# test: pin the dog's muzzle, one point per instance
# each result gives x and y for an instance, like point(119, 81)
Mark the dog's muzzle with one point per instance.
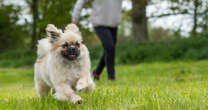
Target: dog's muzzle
point(71, 53)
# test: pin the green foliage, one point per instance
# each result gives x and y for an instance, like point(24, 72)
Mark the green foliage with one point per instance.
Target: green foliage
point(153, 86)
point(130, 52)
point(160, 34)
point(198, 9)
point(11, 33)
point(133, 52)
point(55, 12)
point(17, 58)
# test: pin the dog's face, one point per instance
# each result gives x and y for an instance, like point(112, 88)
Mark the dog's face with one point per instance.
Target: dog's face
point(68, 44)
point(70, 50)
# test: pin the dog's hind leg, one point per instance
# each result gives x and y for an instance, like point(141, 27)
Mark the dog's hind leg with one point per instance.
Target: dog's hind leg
point(41, 88)
point(53, 91)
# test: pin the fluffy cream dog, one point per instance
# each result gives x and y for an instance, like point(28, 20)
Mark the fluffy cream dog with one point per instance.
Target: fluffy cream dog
point(63, 64)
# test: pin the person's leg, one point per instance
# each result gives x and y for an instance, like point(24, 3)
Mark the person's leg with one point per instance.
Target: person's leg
point(114, 37)
point(114, 34)
point(105, 36)
point(101, 65)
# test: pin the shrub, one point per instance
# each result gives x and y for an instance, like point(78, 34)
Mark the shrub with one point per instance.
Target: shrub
point(133, 52)
point(130, 52)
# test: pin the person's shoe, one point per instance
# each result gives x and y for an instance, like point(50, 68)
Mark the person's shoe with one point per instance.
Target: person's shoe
point(111, 79)
point(95, 75)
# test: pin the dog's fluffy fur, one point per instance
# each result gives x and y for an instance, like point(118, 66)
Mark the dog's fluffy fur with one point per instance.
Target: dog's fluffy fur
point(54, 71)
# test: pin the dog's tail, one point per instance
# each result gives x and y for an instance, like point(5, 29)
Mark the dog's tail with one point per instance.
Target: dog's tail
point(43, 47)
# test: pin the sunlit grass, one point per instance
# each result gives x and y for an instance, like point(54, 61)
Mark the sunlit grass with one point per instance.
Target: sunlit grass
point(150, 86)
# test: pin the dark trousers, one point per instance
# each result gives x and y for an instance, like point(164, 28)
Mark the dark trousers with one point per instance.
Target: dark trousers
point(108, 37)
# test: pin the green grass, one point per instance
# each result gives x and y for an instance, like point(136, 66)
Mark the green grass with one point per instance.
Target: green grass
point(150, 86)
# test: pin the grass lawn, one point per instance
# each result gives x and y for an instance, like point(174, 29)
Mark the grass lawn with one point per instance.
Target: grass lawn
point(150, 86)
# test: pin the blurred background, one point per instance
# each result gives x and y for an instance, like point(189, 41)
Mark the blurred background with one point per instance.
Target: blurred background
point(150, 30)
point(161, 56)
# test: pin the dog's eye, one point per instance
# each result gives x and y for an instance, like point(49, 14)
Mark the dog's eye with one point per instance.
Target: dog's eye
point(65, 45)
point(77, 44)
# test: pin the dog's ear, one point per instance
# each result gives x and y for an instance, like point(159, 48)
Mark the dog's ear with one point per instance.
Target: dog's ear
point(53, 33)
point(72, 27)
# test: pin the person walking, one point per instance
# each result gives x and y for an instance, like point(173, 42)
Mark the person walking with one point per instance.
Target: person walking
point(105, 17)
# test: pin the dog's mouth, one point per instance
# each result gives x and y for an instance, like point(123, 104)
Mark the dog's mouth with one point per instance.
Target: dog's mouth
point(71, 53)
point(72, 56)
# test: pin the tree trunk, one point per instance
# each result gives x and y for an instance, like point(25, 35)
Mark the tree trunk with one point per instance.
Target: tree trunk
point(195, 17)
point(139, 20)
point(35, 15)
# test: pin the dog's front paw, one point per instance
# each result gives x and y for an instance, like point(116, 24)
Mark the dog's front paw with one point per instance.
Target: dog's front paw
point(81, 87)
point(76, 99)
point(85, 87)
point(60, 96)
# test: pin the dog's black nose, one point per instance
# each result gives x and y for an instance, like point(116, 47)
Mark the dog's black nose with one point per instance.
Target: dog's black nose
point(73, 48)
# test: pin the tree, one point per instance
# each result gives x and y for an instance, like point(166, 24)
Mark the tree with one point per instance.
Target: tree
point(194, 10)
point(56, 12)
point(139, 20)
point(160, 34)
point(11, 33)
point(35, 14)
point(34, 10)
point(45, 12)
